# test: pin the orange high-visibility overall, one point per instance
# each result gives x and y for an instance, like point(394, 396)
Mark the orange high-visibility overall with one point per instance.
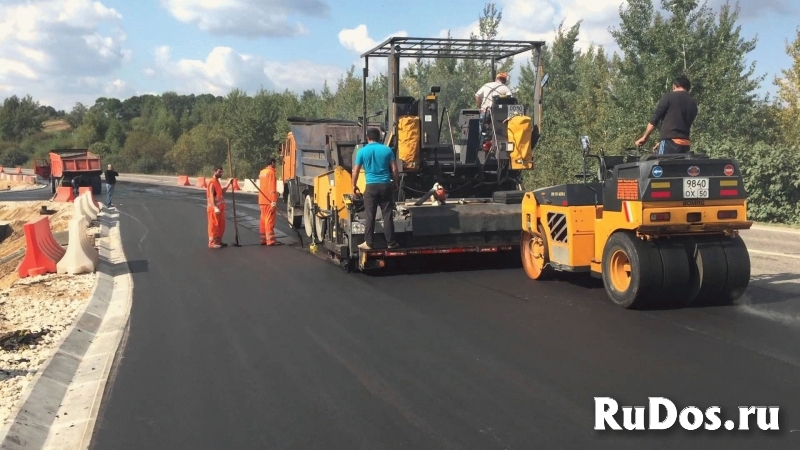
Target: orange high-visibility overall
point(268, 195)
point(216, 221)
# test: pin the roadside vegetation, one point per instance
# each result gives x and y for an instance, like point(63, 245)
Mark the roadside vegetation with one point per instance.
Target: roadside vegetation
point(608, 97)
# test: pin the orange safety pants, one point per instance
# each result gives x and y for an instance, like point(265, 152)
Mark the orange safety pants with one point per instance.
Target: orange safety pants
point(216, 226)
point(267, 224)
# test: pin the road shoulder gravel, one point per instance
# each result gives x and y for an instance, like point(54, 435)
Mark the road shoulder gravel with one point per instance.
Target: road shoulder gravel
point(59, 407)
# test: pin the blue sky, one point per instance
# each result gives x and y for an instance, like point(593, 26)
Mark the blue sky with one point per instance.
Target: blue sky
point(67, 51)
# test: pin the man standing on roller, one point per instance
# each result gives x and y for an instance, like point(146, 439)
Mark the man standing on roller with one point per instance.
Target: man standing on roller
point(268, 202)
point(676, 111)
point(215, 209)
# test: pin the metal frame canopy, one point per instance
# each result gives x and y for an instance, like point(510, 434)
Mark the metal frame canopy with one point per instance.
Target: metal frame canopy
point(395, 48)
point(451, 48)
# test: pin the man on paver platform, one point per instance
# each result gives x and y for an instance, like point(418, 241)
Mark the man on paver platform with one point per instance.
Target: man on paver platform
point(380, 171)
point(215, 208)
point(268, 201)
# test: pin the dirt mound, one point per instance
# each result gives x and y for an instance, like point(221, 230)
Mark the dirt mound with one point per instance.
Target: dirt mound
point(20, 213)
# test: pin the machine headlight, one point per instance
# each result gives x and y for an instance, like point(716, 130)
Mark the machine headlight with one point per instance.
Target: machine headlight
point(357, 228)
point(510, 147)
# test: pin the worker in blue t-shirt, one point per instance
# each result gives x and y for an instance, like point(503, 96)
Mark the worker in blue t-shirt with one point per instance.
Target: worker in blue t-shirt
point(380, 170)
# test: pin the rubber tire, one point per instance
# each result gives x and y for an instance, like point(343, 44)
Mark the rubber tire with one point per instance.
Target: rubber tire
point(709, 270)
point(527, 258)
point(320, 226)
point(646, 270)
point(308, 216)
point(738, 274)
point(294, 220)
point(675, 290)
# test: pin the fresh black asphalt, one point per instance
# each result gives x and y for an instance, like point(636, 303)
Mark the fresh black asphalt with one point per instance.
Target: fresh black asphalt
point(274, 348)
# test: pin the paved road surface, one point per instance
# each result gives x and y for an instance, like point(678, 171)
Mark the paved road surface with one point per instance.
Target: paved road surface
point(258, 347)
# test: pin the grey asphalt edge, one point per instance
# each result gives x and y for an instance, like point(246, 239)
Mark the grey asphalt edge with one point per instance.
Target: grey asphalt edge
point(69, 377)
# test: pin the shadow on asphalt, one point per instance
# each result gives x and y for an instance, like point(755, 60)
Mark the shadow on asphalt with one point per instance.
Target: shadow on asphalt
point(137, 266)
point(773, 288)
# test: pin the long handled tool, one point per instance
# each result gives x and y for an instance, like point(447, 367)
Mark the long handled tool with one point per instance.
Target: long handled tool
point(299, 237)
point(233, 195)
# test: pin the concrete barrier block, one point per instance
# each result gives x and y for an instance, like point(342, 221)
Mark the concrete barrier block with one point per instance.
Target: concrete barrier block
point(249, 186)
point(81, 255)
point(82, 208)
point(42, 252)
point(90, 205)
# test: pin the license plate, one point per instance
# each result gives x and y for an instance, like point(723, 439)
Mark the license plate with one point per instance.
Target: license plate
point(695, 188)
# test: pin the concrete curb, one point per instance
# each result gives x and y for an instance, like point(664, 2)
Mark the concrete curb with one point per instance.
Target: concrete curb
point(59, 407)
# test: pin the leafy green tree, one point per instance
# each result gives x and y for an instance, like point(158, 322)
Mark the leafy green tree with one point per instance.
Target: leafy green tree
point(694, 41)
point(20, 118)
point(789, 96)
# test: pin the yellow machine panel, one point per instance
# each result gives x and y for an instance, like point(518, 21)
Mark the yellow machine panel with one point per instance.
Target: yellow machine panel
point(519, 134)
point(570, 234)
point(408, 141)
point(330, 188)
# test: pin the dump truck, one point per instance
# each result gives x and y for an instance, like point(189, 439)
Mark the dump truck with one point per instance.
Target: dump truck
point(66, 164)
point(659, 230)
point(461, 196)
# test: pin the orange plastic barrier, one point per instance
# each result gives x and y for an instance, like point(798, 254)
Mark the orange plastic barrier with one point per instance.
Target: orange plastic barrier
point(31, 179)
point(64, 194)
point(1, 169)
point(83, 190)
point(236, 185)
point(183, 180)
point(19, 170)
point(201, 182)
point(42, 252)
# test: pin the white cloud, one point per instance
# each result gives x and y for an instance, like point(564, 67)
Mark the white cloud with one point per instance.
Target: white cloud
point(48, 46)
point(248, 18)
point(224, 69)
point(358, 41)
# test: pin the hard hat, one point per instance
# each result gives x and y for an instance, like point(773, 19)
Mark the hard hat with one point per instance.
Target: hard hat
point(502, 75)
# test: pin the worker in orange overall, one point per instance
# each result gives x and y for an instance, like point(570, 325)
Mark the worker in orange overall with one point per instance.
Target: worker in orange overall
point(215, 208)
point(268, 201)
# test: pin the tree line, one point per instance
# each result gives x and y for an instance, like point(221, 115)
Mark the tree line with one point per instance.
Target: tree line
point(608, 97)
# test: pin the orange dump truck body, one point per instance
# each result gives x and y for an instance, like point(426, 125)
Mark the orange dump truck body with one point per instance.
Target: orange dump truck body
point(74, 161)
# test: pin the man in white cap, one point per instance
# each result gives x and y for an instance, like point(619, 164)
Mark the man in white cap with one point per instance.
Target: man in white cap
point(486, 94)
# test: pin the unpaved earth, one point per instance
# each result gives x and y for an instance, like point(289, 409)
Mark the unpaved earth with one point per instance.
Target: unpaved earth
point(20, 213)
point(6, 185)
point(49, 303)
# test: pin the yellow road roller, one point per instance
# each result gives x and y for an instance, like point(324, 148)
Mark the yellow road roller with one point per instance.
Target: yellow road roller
point(659, 230)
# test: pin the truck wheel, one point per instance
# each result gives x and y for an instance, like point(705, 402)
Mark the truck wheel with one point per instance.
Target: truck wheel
point(320, 227)
point(535, 254)
point(294, 221)
point(308, 216)
point(632, 270)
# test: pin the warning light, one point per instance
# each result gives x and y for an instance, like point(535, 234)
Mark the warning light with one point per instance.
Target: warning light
point(729, 192)
point(729, 170)
point(661, 194)
point(659, 217)
point(721, 215)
